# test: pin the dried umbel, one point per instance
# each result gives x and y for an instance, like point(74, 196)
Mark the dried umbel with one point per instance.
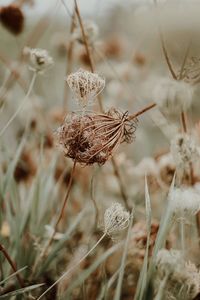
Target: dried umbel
point(182, 278)
point(91, 32)
point(12, 18)
point(40, 60)
point(184, 151)
point(173, 96)
point(92, 138)
point(184, 201)
point(116, 219)
point(191, 72)
point(85, 86)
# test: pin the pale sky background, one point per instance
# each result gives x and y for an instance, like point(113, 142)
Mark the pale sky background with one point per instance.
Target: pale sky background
point(86, 6)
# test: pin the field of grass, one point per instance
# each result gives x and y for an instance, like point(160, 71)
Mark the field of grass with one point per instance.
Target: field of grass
point(100, 152)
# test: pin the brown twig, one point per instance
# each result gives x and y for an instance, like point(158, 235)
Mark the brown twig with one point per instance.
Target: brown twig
point(12, 264)
point(142, 111)
point(69, 58)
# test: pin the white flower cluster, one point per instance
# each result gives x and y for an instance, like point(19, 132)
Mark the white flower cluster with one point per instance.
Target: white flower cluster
point(173, 96)
point(184, 150)
point(184, 200)
point(85, 85)
point(116, 219)
point(91, 31)
point(183, 278)
point(40, 60)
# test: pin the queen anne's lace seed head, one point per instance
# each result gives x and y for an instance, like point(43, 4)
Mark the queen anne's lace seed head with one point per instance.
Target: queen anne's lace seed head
point(173, 96)
point(93, 138)
point(116, 219)
point(40, 60)
point(191, 72)
point(183, 278)
point(184, 201)
point(91, 31)
point(85, 85)
point(184, 150)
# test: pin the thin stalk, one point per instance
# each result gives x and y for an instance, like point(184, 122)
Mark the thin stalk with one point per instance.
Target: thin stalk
point(87, 48)
point(73, 267)
point(140, 112)
point(182, 233)
point(12, 264)
point(21, 105)
point(60, 216)
point(165, 52)
point(69, 57)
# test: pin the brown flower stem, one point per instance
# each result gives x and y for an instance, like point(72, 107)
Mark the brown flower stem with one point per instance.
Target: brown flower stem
point(12, 264)
point(164, 49)
point(142, 111)
point(184, 122)
point(69, 58)
point(87, 48)
point(118, 175)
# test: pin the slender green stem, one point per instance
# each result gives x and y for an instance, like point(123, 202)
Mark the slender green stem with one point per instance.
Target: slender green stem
point(21, 105)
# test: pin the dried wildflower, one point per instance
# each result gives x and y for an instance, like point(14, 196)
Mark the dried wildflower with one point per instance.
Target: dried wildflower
point(40, 60)
point(92, 138)
point(91, 31)
point(184, 201)
point(12, 18)
point(173, 96)
point(184, 151)
point(116, 219)
point(85, 85)
point(191, 72)
point(183, 278)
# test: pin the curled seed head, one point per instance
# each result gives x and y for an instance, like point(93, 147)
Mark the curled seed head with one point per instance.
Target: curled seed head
point(92, 138)
point(85, 85)
point(12, 18)
point(173, 96)
point(116, 219)
point(40, 60)
point(184, 151)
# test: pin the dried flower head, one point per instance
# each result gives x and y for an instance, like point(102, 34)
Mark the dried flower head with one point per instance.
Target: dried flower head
point(12, 18)
point(91, 31)
point(173, 96)
point(92, 138)
point(184, 201)
point(183, 278)
point(40, 60)
point(116, 219)
point(85, 85)
point(191, 72)
point(184, 151)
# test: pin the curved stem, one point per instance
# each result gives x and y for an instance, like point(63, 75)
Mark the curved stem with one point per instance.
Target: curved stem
point(12, 264)
point(73, 267)
point(21, 105)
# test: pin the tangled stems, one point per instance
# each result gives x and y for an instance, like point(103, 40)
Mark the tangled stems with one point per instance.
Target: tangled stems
point(46, 248)
point(74, 266)
point(21, 105)
point(12, 264)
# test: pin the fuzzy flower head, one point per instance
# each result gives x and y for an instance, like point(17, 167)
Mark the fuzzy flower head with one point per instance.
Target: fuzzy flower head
point(191, 72)
point(93, 138)
point(116, 219)
point(91, 31)
point(40, 60)
point(184, 150)
point(183, 278)
point(184, 201)
point(173, 96)
point(85, 86)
